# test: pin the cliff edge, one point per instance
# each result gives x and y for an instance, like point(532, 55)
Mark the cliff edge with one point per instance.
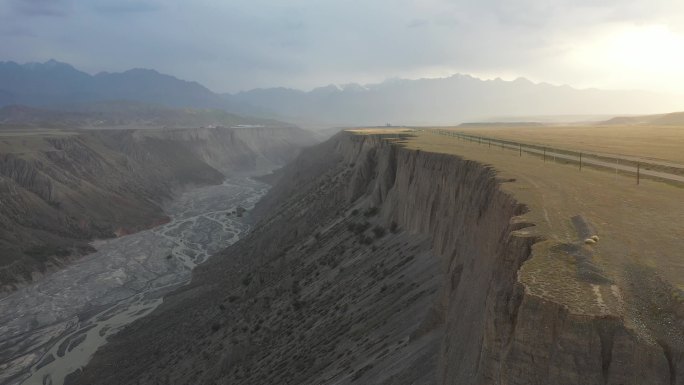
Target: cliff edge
point(381, 260)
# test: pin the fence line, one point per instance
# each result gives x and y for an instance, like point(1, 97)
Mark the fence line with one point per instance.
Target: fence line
point(578, 157)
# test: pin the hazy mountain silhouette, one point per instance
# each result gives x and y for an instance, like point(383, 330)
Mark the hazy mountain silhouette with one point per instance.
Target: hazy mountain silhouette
point(451, 100)
point(55, 83)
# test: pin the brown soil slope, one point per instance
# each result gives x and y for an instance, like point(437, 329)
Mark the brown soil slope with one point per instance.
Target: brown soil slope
point(378, 263)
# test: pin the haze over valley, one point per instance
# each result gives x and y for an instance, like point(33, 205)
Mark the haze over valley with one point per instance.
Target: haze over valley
point(387, 193)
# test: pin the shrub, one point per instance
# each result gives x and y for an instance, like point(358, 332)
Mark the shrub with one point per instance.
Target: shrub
point(379, 231)
point(394, 227)
point(297, 305)
point(246, 280)
point(358, 228)
point(371, 211)
point(42, 253)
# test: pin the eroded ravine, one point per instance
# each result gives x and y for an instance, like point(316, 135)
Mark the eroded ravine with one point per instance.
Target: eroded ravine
point(51, 328)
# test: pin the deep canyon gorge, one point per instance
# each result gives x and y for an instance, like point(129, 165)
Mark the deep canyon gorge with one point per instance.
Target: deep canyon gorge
point(370, 261)
point(378, 264)
point(58, 309)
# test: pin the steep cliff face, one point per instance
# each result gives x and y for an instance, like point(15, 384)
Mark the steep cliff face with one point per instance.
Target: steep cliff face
point(60, 190)
point(376, 264)
point(352, 275)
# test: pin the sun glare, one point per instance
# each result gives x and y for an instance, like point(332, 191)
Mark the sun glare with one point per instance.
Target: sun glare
point(648, 49)
point(635, 56)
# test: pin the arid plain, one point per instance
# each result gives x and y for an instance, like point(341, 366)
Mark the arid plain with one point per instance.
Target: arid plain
point(634, 270)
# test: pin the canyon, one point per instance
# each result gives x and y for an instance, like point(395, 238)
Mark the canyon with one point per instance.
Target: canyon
point(54, 181)
point(98, 224)
point(376, 262)
point(383, 256)
point(51, 328)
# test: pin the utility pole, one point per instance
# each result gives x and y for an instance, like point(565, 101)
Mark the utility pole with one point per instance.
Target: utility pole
point(638, 172)
point(580, 161)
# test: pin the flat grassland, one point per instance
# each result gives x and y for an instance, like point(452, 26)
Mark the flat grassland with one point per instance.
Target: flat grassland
point(636, 269)
point(648, 142)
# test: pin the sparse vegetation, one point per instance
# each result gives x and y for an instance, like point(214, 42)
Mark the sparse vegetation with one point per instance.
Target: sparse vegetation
point(295, 289)
point(246, 280)
point(358, 227)
point(43, 252)
point(365, 240)
point(379, 231)
point(371, 212)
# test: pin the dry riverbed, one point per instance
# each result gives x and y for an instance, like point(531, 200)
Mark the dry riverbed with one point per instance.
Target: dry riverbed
point(51, 328)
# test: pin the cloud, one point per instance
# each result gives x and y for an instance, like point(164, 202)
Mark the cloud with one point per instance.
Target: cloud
point(123, 7)
point(16, 31)
point(418, 24)
point(240, 44)
point(40, 7)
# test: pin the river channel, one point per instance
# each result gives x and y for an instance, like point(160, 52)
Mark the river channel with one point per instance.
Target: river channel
point(52, 327)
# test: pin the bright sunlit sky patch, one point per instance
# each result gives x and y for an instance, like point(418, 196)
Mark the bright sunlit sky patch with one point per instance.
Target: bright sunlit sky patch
point(232, 45)
point(637, 56)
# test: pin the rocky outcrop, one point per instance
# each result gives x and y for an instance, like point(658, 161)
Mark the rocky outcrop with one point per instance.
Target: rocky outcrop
point(60, 190)
point(376, 264)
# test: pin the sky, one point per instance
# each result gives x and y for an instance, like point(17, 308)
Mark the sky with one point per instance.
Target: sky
point(233, 45)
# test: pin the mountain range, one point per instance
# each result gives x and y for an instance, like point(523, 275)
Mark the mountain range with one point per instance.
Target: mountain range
point(450, 100)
